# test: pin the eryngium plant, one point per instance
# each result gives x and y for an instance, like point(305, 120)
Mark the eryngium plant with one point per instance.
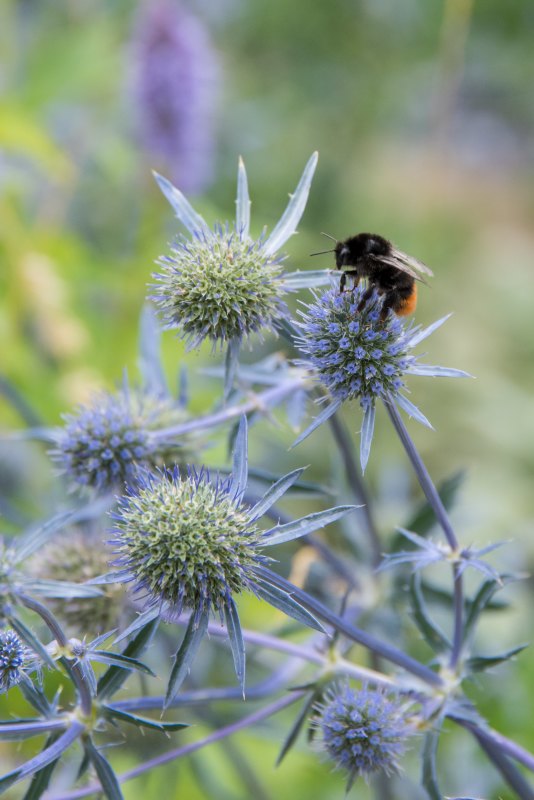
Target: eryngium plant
point(222, 284)
point(192, 544)
point(364, 731)
point(356, 355)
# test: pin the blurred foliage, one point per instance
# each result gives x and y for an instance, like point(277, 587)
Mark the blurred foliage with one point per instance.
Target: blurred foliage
point(423, 116)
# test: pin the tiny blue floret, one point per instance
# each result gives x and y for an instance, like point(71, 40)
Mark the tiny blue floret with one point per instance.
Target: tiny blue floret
point(357, 355)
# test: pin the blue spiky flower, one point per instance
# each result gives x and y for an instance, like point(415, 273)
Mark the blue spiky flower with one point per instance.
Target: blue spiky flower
point(363, 731)
point(192, 543)
point(103, 444)
point(13, 659)
point(356, 355)
point(220, 284)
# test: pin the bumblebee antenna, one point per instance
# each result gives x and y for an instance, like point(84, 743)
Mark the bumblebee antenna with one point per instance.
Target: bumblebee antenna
point(322, 252)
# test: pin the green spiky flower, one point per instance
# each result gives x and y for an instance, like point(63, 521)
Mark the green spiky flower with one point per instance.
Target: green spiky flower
point(187, 541)
point(77, 556)
point(219, 287)
point(220, 284)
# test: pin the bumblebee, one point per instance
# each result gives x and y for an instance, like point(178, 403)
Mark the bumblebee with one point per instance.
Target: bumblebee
point(388, 270)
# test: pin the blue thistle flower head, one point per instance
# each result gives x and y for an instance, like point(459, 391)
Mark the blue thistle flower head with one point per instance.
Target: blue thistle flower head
point(363, 731)
point(220, 284)
point(187, 542)
point(356, 355)
point(13, 659)
point(103, 444)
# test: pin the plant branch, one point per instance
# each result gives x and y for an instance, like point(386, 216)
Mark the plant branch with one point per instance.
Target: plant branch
point(74, 670)
point(192, 747)
point(350, 631)
point(356, 484)
point(435, 502)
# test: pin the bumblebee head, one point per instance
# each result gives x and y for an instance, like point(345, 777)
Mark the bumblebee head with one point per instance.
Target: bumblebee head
point(342, 254)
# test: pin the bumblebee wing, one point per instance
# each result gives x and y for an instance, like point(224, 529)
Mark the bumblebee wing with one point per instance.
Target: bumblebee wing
point(411, 262)
point(394, 262)
point(405, 264)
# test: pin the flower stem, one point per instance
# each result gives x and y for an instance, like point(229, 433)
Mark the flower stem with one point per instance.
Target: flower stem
point(356, 484)
point(508, 770)
point(52, 753)
point(192, 747)
point(458, 596)
point(198, 697)
point(34, 727)
point(47, 616)
point(434, 500)
point(273, 683)
point(74, 670)
point(425, 481)
point(505, 745)
point(309, 654)
point(258, 402)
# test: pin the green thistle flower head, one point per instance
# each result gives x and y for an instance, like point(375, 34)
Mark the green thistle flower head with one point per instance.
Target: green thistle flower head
point(221, 284)
point(75, 556)
point(220, 287)
point(188, 541)
point(191, 543)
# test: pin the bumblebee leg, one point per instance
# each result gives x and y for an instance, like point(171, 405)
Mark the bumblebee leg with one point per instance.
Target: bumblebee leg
point(351, 273)
point(365, 298)
point(391, 300)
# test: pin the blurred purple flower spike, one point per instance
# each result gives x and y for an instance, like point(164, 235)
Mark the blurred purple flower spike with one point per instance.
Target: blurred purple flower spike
point(174, 88)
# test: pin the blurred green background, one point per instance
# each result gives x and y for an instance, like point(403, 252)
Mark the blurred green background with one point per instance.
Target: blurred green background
point(423, 115)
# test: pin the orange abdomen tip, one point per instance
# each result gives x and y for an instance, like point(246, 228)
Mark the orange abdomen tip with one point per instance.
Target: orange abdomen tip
point(408, 305)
